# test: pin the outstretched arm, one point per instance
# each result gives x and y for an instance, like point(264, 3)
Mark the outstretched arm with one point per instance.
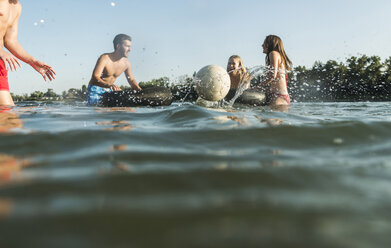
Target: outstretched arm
point(12, 44)
point(129, 76)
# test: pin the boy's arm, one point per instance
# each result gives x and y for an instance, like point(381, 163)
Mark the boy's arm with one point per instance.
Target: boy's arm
point(129, 76)
point(12, 44)
point(97, 73)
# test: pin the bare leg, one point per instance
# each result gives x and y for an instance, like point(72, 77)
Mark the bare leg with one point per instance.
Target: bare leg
point(279, 104)
point(6, 99)
point(280, 101)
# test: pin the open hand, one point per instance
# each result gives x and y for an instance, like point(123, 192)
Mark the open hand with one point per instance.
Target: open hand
point(45, 70)
point(10, 61)
point(115, 88)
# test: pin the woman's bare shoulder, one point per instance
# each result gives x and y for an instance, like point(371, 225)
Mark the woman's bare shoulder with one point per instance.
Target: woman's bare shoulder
point(274, 54)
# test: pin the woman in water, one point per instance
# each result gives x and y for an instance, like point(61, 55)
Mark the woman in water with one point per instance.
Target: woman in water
point(278, 63)
point(240, 79)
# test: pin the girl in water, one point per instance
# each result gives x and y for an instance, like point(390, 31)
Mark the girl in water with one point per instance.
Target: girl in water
point(278, 63)
point(240, 79)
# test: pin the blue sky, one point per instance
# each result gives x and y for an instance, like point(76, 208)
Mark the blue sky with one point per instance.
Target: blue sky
point(177, 37)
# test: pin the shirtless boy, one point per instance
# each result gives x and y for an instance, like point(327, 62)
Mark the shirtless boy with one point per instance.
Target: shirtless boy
point(109, 67)
point(10, 11)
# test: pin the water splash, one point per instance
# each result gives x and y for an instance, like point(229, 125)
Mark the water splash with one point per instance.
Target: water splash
point(231, 71)
point(191, 86)
point(42, 21)
point(243, 85)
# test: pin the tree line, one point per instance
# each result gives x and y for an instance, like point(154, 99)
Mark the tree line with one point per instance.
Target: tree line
point(361, 78)
point(357, 79)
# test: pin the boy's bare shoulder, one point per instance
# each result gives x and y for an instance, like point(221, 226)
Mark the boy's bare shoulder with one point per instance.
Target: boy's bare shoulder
point(16, 8)
point(125, 61)
point(104, 57)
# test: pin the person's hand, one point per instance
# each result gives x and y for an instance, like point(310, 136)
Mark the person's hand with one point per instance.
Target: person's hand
point(45, 70)
point(115, 88)
point(10, 61)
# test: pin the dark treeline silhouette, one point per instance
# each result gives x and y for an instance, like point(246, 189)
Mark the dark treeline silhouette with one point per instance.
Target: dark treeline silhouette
point(70, 95)
point(357, 79)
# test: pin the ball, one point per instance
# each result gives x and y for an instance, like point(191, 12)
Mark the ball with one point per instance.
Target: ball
point(212, 83)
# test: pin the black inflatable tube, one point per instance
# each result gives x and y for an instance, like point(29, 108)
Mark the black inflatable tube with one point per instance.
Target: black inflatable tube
point(252, 97)
point(152, 96)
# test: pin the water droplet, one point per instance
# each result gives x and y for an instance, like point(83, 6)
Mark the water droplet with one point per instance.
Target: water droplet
point(35, 23)
point(112, 4)
point(338, 141)
point(42, 21)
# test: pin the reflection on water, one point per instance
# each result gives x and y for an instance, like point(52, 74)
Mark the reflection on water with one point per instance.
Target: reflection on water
point(8, 120)
point(271, 121)
point(116, 125)
point(115, 109)
point(10, 167)
point(118, 165)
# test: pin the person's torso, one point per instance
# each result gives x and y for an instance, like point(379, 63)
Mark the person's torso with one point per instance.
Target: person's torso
point(8, 14)
point(112, 69)
point(239, 80)
point(235, 80)
point(279, 86)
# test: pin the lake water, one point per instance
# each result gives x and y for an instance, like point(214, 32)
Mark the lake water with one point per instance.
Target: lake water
point(316, 175)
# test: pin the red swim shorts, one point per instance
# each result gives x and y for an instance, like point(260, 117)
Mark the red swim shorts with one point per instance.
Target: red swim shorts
point(3, 77)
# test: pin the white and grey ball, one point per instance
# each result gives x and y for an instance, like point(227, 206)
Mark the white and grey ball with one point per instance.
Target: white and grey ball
point(213, 83)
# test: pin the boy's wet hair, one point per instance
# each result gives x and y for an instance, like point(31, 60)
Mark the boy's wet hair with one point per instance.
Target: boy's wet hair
point(13, 1)
point(119, 38)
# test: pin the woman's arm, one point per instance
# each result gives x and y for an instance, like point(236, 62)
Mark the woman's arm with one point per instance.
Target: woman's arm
point(274, 58)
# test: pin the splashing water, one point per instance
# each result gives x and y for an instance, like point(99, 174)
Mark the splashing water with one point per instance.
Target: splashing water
point(195, 82)
point(245, 82)
point(229, 72)
point(243, 85)
point(261, 70)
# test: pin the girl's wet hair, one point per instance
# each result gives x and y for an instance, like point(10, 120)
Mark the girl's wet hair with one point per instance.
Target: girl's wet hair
point(242, 69)
point(13, 1)
point(274, 43)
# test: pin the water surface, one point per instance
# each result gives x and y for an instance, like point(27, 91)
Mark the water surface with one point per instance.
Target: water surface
point(316, 175)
